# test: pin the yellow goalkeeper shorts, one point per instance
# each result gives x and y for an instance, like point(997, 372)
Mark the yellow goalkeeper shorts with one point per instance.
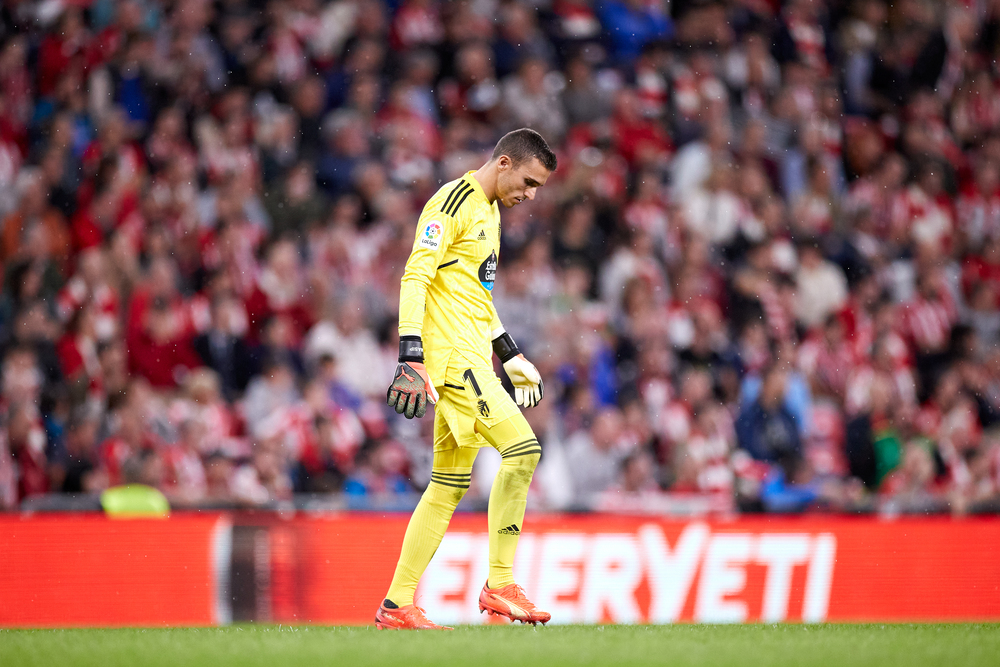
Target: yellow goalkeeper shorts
point(472, 405)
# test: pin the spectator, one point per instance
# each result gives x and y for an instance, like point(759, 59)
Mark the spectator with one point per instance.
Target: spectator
point(584, 97)
point(297, 204)
point(911, 487)
point(273, 389)
point(635, 486)
point(595, 455)
point(346, 146)
point(81, 472)
point(821, 288)
point(520, 41)
point(873, 440)
point(223, 348)
point(927, 323)
point(631, 24)
point(531, 99)
point(161, 351)
point(263, 480)
point(280, 290)
point(765, 428)
point(50, 240)
point(381, 471)
point(358, 351)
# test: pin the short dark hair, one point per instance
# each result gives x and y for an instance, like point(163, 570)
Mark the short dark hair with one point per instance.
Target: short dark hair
point(524, 144)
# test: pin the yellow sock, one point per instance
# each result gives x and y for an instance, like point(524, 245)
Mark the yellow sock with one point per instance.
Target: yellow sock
point(508, 499)
point(426, 528)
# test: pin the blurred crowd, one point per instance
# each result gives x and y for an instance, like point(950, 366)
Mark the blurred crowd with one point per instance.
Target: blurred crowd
point(765, 276)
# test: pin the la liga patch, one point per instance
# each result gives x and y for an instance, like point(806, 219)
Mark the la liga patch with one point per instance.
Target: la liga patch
point(431, 236)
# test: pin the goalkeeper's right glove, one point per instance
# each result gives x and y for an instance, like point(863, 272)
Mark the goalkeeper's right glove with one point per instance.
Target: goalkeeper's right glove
point(411, 387)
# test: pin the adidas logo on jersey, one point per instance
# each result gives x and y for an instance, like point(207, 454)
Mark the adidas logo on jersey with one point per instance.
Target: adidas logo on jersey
point(512, 529)
point(482, 235)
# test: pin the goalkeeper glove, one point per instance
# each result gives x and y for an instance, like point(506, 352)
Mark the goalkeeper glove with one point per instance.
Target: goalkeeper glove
point(528, 387)
point(411, 388)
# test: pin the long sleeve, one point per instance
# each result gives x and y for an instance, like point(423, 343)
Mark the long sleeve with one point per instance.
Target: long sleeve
point(496, 326)
point(435, 234)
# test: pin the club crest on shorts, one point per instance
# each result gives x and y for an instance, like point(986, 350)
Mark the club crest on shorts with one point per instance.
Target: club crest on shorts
point(488, 271)
point(431, 236)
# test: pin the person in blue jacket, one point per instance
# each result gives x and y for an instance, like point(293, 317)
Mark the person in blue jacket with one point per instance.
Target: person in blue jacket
point(765, 428)
point(632, 24)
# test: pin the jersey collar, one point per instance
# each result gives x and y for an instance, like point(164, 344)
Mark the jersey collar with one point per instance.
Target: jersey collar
point(476, 187)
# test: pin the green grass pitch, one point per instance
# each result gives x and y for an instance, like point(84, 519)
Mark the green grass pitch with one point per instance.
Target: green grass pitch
point(968, 645)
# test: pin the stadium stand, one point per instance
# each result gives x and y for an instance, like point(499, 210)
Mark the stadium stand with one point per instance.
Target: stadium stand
point(765, 277)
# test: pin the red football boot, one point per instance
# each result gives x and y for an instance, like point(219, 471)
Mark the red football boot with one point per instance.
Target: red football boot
point(410, 617)
point(511, 602)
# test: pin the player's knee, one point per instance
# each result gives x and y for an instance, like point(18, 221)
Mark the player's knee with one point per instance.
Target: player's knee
point(456, 496)
point(444, 495)
point(524, 464)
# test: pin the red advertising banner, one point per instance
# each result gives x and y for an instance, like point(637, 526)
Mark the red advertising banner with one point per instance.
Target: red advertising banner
point(87, 570)
point(588, 569)
point(334, 569)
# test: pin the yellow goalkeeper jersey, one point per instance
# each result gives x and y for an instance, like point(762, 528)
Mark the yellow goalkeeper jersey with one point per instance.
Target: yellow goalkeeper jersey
point(446, 291)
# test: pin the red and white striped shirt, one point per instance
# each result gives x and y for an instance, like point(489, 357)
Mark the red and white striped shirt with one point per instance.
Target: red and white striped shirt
point(928, 323)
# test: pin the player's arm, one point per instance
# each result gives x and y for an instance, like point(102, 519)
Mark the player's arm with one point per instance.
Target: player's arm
point(527, 381)
point(411, 386)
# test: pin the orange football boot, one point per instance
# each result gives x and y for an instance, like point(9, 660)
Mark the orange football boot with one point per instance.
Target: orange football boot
point(410, 617)
point(510, 601)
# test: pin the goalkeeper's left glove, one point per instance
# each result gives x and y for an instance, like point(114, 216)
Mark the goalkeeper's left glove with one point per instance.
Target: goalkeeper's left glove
point(528, 387)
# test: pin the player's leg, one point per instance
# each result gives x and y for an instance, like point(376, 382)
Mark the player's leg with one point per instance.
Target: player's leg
point(505, 428)
point(451, 474)
point(520, 452)
point(450, 478)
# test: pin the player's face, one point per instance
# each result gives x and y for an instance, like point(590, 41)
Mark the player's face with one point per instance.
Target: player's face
point(518, 184)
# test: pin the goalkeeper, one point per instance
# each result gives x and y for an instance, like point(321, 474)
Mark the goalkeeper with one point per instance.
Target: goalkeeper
point(448, 333)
